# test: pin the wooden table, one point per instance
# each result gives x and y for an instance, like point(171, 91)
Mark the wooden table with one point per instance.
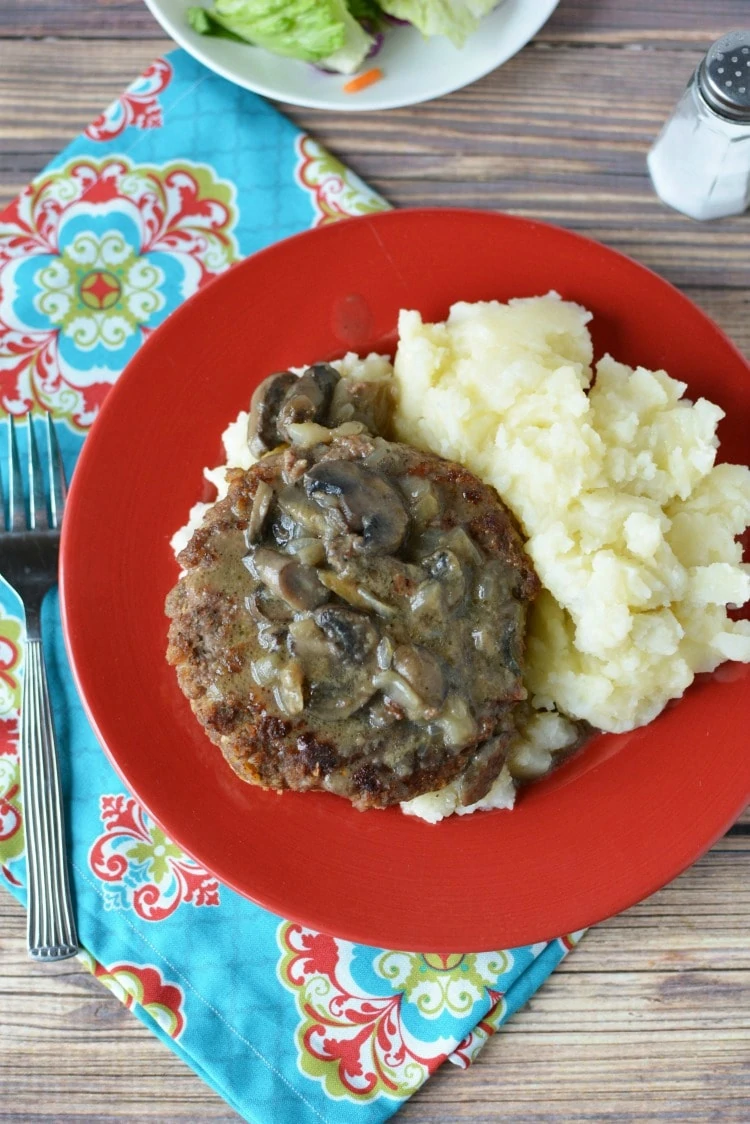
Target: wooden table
point(649, 1019)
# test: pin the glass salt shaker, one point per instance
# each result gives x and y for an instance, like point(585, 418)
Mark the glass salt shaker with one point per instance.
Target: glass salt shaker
point(700, 162)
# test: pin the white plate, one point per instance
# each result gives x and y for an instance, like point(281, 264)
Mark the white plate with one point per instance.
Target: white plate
point(415, 69)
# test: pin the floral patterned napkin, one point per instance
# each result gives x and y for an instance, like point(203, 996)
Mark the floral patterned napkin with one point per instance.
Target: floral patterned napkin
point(183, 175)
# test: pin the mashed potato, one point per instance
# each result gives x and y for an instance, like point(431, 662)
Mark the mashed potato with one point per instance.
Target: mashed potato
point(630, 526)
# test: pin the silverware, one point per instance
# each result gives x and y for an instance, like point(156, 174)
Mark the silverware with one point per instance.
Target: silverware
point(29, 542)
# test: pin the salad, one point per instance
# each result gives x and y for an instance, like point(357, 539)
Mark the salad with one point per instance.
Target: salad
point(336, 35)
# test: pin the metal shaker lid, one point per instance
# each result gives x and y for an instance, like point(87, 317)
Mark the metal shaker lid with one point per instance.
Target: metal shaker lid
point(724, 76)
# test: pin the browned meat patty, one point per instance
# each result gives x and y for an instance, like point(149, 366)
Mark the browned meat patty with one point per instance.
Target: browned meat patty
point(352, 617)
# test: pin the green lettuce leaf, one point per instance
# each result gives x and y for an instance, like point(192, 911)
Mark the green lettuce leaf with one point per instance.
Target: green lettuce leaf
point(205, 23)
point(320, 31)
point(454, 18)
point(368, 10)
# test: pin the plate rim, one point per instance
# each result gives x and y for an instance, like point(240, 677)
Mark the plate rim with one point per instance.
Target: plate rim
point(274, 904)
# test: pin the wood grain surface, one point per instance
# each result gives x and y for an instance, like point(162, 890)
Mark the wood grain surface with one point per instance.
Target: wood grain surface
point(649, 1018)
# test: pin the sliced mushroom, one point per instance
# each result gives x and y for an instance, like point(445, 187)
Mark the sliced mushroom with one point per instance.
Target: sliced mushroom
point(446, 569)
point(272, 617)
point(369, 504)
point(456, 722)
point(311, 646)
point(267, 609)
point(376, 605)
point(264, 670)
point(455, 539)
point(427, 610)
point(390, 579)
point(421, 499)
point(355, 595)
point(295, 504)
point(308, 550)
point(279, 528)
point(384, 653)
point(399, 691)
point(294, 583)
point(462, 544)
point(337, 707)
point(261, 506)
point(352, 634)
point(285, 679)
point(481, 772)
point(265, 565)
point(300, 587)
point(308, 434)
point(422, 671)
point(288, 689)
point(308, 400)
point(369, 401)
point(262, 431)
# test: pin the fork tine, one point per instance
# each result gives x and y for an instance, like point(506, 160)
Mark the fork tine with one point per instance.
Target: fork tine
point(16, 505)
point(58, 484)
point(39, 519)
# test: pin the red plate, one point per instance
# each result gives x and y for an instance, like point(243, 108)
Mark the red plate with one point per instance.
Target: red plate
point(608, 828)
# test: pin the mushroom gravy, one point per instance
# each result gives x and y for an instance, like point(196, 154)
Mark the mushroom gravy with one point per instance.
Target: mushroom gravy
point(352, 615)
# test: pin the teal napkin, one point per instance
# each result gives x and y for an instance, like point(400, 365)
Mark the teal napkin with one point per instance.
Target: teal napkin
point(183, 175)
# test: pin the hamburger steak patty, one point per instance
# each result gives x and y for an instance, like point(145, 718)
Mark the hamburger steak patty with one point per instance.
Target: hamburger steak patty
point(352, 615)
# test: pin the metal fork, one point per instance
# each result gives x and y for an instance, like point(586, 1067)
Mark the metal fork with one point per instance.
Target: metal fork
point(29, 543)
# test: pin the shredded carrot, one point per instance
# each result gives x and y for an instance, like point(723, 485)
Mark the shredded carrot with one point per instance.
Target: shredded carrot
point(362, 81)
